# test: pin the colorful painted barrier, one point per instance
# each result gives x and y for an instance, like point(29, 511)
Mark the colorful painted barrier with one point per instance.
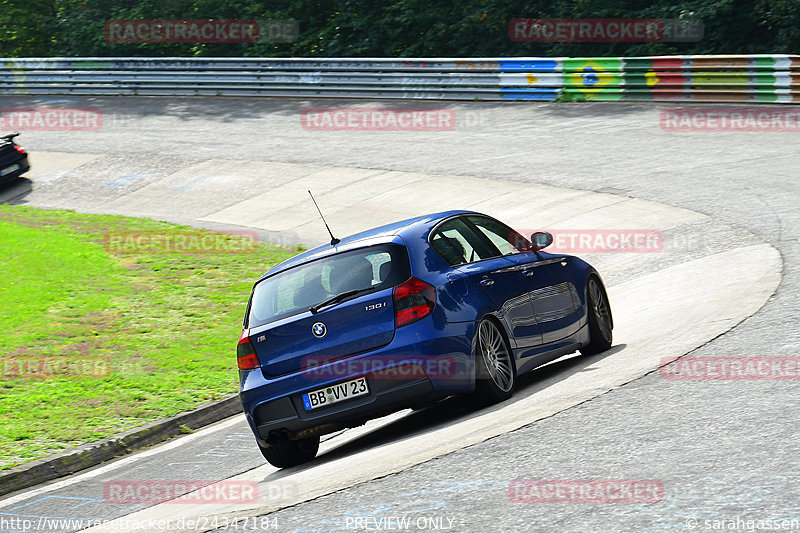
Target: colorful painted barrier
point(720, 78)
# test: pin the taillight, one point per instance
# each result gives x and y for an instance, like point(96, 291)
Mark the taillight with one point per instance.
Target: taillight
point(19, 149)
point(246, 353)
point(413, 301)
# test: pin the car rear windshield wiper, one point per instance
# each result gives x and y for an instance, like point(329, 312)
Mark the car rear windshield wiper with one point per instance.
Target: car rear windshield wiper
point(338, 298)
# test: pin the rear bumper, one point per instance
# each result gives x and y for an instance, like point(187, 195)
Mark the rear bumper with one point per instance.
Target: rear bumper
point(405, 373)
point(23, 164)
point(284, 419)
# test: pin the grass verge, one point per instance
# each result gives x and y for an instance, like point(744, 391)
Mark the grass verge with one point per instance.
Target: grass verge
point(103, 332)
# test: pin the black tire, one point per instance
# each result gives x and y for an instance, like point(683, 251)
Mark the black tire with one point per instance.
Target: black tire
point(289, 453)
point(601, 322)
point(495, 375)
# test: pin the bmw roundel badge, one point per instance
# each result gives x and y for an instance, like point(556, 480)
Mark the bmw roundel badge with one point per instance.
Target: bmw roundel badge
point(319, 330)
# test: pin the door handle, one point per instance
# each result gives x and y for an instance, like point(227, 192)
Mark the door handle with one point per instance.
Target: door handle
point(528, 273)
point(486, 282)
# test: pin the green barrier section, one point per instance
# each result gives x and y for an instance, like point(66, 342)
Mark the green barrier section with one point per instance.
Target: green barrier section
point(597, 64)
point(593, 80)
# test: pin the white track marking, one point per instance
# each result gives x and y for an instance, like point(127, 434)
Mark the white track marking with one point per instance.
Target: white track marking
point(659, 315)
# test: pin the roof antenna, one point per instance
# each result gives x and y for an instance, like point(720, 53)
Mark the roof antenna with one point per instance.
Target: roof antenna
point(334, 240)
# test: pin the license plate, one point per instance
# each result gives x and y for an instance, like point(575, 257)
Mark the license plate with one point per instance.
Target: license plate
point(9, 170)
point(335, 393)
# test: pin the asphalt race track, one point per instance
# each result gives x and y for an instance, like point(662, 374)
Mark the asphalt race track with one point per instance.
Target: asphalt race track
point(725, 283)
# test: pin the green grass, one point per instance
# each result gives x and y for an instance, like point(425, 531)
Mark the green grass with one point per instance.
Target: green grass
point(94, 343)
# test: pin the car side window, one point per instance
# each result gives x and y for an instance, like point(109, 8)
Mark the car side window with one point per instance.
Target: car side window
point(458, 244)
point(508, 241)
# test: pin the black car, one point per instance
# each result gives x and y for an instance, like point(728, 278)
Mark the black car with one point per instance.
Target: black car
point(13, 159)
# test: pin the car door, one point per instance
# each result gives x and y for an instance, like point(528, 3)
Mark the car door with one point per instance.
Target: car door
point(484, 269)
point(555, 301)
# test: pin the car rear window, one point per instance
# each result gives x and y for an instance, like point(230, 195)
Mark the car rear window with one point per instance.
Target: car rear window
point(295, 290)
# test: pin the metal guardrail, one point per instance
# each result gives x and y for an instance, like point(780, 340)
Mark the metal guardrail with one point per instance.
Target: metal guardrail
point(729, 78)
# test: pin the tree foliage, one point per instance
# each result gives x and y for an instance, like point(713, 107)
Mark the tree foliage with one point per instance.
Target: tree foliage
point(394, 28)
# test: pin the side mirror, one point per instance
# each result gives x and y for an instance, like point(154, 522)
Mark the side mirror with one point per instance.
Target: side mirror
point(541, 239)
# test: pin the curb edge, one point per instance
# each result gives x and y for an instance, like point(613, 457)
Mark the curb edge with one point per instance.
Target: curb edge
point(92, 454)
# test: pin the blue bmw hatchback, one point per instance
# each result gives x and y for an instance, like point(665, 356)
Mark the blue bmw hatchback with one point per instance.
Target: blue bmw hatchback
point(403, 316)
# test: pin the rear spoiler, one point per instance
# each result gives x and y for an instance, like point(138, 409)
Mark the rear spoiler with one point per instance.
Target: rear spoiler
point(9, 136)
